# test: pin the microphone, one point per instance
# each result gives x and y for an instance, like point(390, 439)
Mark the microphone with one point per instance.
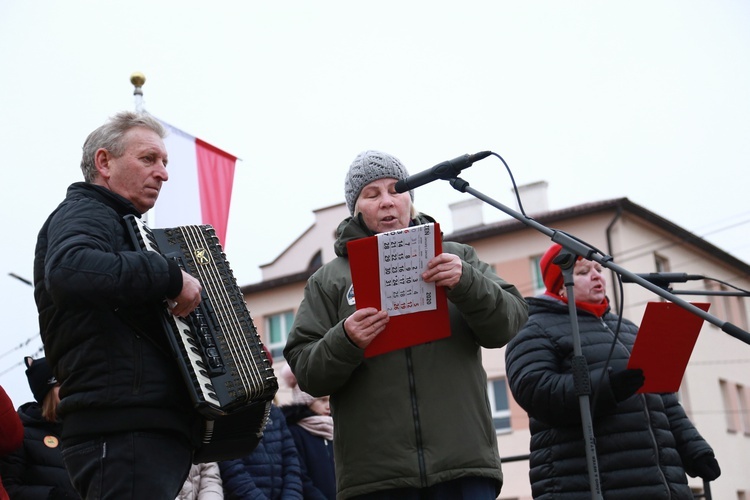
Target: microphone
point(446, 170)
point(662, 279)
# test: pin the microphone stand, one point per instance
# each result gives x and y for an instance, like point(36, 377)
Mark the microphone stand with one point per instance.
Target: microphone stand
point(589, 253)
point(566, 260)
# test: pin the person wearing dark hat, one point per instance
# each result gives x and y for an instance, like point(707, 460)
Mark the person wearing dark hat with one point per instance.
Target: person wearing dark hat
point(414, 422)
point(645, 443)
point(36, 470)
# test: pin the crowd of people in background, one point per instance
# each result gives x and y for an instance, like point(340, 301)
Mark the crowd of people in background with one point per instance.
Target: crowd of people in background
point(289, 462)
point(36, 469)
point(293, 460)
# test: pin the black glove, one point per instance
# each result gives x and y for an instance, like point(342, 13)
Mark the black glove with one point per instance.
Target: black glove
point(624, 383)
point(706, 467)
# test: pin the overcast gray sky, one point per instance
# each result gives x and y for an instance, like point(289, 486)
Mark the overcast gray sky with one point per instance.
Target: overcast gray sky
point(643, 99)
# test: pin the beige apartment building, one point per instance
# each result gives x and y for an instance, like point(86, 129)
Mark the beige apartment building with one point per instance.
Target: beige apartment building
point(715, 389)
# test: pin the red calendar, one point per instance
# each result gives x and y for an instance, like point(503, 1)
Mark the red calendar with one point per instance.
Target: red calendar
point(386, 274)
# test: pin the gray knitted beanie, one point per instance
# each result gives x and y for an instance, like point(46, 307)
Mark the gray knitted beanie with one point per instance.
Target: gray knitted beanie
point(370, 166)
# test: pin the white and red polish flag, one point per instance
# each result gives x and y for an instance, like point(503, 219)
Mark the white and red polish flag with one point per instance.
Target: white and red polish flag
point(199, 189)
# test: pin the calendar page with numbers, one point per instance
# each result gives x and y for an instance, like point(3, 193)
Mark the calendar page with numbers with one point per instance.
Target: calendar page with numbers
point(386, 274)
point(402, 257)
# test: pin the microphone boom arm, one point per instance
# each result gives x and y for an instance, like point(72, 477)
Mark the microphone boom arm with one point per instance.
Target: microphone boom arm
point(589, 253)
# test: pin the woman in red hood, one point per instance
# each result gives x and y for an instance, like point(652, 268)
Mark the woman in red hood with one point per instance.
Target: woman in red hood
point(645, 443)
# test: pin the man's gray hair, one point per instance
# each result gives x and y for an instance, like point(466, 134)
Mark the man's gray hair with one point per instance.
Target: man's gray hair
point(110, 137)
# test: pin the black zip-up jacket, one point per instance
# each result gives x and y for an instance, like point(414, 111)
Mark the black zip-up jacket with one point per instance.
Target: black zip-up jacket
point(99, 300)
point(36, 470)
point(644, 444)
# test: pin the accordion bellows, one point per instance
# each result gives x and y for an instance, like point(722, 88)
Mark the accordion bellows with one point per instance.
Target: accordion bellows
point(218, 348)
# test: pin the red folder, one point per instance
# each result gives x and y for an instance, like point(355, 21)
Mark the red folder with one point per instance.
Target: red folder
point(664, 344)
point(404, 330)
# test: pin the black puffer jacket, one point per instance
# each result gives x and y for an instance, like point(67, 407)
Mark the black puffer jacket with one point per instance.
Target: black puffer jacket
point(316, 455)
point(36, 470)
point(99, 301)
point(644, 444)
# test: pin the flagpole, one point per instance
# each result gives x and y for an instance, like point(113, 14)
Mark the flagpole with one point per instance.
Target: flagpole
point(138, 79)
point(205, 173)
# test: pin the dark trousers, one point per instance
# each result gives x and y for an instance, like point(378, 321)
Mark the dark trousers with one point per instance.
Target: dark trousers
point(466, 488)
point(134, 465)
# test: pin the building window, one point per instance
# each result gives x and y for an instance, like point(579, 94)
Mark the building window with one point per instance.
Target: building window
point(498, 393)
point(731, 405)
point(742, 404)
point(735, 308)
point(726, 305)
point(537, 280)
point(661, 263)
point(316, 261)
point(278, 326)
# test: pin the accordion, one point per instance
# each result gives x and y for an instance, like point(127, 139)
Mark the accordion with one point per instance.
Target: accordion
point(219, 352)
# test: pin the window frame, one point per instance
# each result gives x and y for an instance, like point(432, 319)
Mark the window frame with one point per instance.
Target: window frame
point(285, 318)
point(499, 415)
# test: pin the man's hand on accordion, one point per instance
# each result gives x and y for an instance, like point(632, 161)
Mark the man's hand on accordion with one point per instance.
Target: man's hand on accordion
point(189, 297)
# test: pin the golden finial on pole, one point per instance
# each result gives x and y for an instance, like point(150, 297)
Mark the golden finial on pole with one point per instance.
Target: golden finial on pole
point(138, 79)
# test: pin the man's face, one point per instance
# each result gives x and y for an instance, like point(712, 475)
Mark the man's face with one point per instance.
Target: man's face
point(139, 173)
